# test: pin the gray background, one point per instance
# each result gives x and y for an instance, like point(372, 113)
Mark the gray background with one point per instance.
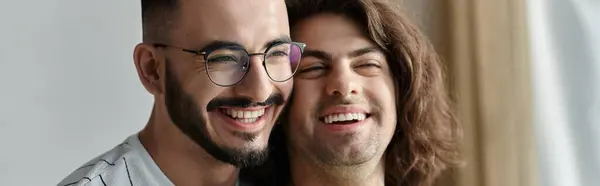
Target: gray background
point(68, 86)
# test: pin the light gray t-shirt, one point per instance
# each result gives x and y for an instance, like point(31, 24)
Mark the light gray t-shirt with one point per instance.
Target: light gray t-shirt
point(127, 164)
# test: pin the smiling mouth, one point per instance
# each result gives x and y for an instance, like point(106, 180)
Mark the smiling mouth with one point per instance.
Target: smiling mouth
point(344, 118)
point(243, 116)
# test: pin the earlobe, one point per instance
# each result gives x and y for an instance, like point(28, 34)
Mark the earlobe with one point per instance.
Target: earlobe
point(147, 66)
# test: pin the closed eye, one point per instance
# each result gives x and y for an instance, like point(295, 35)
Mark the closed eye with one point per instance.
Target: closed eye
point(310, 69)
point(369, 65)
point(278, 53)
point(368, 68)
point(222, 59)
point(314, 71)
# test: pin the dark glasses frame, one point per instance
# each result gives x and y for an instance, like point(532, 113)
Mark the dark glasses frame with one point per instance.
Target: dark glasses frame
point(206, 52)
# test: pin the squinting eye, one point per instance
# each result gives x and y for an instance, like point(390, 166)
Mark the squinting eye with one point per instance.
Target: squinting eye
point(278, 53)
point(369, 65)
point(313, 71)
point(368, 68)
point(314, 68)
point(222, 59)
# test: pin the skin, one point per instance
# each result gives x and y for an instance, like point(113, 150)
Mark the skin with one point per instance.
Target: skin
point(183, 136)
point(341, 68)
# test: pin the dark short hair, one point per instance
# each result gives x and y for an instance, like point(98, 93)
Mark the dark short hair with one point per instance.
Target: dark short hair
point(427, 136)
point(158, 19)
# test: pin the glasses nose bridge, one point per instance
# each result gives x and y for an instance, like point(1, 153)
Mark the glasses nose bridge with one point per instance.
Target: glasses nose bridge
point(262, 61)
point(256, 54)
point(261, 54)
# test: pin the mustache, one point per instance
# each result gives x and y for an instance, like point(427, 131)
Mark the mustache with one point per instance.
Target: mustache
point(274, 99)
point(321, 106)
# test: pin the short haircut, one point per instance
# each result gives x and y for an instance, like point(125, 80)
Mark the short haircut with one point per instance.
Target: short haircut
point(158, 19)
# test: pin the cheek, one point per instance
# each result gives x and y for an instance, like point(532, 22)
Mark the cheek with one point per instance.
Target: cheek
point(203, 90)
point(285, 88)
point(303, 103)
point(385, 97)
point(299, 124)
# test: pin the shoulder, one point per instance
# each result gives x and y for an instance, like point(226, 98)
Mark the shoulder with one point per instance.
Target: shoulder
point(110, 168)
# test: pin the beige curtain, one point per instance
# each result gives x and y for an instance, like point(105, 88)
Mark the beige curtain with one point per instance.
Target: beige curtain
point(483, 43)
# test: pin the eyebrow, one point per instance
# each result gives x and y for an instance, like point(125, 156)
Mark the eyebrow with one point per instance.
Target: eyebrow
point(363, 51)
point(220, 44)
point(280, 39)
point(316, 54)
point(232, 44)
point(326, 56)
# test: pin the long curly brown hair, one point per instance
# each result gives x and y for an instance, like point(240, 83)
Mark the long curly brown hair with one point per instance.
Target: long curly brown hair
point(426, 140)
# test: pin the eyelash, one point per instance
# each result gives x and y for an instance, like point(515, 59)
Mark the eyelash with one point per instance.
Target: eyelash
point(369, 65)
point(314, 68)
point(322, 67)
point(223, 58)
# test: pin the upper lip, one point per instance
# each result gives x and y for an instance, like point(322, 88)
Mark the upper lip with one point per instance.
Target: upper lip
point(246, 108)
point(343, 109)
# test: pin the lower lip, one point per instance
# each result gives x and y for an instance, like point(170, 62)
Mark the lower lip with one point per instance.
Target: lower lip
point(344, 127)
point(240, 126)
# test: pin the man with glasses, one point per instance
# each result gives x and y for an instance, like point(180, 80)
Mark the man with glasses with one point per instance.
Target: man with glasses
point(220, 74)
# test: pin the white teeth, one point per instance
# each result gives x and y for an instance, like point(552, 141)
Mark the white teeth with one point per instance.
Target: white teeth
point(344, 117)
point(245, 115)
point(247, 120)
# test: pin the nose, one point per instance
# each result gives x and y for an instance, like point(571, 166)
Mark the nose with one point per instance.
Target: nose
point(256, 85)
point(342, 82)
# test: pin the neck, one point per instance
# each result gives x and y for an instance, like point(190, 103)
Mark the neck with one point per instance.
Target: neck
point(306, 172)
point(180, 159)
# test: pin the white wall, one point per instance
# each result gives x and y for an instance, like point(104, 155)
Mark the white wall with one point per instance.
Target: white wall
point(68, 86)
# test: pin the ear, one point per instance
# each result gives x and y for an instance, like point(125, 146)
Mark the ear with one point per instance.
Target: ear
point(147, 64)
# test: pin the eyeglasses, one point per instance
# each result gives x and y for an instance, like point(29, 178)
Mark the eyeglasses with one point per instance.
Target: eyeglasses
point(228, 64)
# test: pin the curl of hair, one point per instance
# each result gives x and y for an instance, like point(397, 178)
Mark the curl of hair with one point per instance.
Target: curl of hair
point(427, 135)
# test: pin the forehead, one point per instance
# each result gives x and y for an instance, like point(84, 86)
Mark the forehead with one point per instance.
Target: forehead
point(331, 33)
point(250, 23)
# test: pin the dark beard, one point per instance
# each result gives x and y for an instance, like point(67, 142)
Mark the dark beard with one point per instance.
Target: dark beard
point(185, 114)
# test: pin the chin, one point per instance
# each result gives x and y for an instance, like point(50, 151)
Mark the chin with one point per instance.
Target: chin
point(248, 141)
